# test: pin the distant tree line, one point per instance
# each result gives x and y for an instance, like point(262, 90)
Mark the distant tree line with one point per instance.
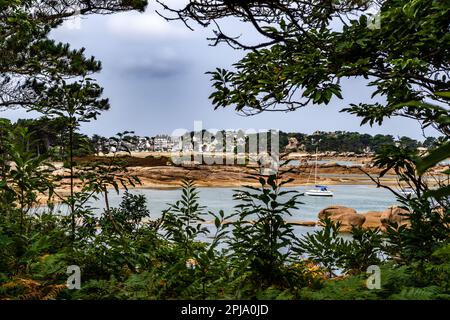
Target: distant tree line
point(50, 135)
point(342, 141)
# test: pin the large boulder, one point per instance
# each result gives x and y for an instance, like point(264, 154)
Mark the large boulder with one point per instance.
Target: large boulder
point(348, 217)
point(368, 220)
point(373, 220)
point(395, 215)
point(332, 211)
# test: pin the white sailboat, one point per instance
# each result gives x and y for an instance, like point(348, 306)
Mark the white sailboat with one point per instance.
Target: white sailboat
point(239, 195)
point(318, 191)
point(407, 191)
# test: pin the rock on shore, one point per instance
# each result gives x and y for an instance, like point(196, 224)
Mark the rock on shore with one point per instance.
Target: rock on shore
point(348, 217)
point(394, 215)
point(373, 220)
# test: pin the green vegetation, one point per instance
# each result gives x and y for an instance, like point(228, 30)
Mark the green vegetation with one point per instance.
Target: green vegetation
point(251, 253)
point(123, 254)
point(53, 135)
point(347, 141)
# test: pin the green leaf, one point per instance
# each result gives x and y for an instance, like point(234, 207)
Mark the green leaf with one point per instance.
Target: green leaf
point(217, 222)
point(443, 94)
point(440, 193)
point(435, 156)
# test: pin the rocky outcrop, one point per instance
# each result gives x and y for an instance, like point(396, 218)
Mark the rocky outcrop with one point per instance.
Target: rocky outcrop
point(394, 215)
point(303, 223)
point(335, 210)
point(373, 220)
point(381, 219)
point(348, 217)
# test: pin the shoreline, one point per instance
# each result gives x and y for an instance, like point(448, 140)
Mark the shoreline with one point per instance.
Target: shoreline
point(159, 174)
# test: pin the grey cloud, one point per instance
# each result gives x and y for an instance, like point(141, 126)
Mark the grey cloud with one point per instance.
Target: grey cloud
point(157, 67)
point(152, 71)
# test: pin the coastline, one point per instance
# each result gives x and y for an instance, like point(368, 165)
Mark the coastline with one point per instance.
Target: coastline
point(159, 174)
point(155, 172)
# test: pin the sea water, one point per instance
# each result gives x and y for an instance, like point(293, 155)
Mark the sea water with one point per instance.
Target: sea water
point(362, 198)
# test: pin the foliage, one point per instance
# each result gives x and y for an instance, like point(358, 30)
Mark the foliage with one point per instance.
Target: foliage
point(183, 220)
point(397, 283)
point(30, 175)
point(27, 54)
point(50, 137)
point(324, 246)
point(132, 257)
point(261, 235)
point(341, 141)
point(307, 48)
point(362, 251)
point(429, 214)
point(123, 254)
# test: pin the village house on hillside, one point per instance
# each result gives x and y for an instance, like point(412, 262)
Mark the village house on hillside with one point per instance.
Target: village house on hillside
point(163, 143)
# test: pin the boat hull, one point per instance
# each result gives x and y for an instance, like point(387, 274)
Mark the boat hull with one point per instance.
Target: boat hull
point(314, 193)
point(407, 193)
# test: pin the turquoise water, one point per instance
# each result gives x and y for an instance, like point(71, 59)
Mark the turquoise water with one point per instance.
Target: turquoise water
point(362, 198)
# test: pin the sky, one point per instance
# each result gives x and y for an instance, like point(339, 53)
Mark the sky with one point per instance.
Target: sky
point(154, 75)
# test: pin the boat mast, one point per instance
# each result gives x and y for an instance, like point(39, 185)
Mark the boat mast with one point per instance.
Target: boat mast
point(315, 169)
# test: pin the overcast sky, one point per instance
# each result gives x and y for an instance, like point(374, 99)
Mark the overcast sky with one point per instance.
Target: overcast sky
point(154, 75)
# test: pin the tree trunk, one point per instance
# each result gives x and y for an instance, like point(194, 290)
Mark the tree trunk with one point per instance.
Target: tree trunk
point(72, 202)
point(107, 201)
